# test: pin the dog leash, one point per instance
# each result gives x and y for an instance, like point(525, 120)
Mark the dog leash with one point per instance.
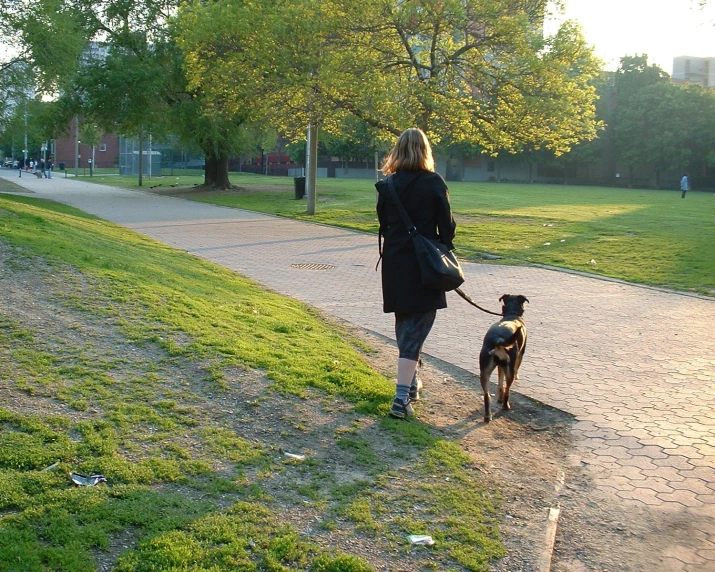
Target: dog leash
point(473, 303)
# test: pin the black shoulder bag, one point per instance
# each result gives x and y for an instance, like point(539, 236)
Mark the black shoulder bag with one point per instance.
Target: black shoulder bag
point(439, 267)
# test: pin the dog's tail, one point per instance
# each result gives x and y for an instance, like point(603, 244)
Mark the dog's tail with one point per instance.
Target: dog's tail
point(501, 351)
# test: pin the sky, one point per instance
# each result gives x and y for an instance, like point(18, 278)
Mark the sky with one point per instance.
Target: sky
point(662, 29)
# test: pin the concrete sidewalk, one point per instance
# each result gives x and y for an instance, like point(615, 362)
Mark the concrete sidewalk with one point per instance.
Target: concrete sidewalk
point(634, 365)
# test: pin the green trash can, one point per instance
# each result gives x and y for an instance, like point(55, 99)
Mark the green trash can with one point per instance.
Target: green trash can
point(299, 183)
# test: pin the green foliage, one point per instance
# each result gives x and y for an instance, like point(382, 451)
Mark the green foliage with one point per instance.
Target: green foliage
point(478, 72)
point(38, 127)
point(49, 37)
point(657, 124)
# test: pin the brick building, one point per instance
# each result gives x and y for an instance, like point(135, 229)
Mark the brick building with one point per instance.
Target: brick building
point(106, 154)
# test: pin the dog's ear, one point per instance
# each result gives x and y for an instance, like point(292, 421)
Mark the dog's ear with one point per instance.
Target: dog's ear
point(523, 299)
point(503, 296)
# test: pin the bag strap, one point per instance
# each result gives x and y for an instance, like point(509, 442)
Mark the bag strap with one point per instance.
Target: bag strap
point(411, 228)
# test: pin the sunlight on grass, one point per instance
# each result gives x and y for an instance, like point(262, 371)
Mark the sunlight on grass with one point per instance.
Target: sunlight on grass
point(570, 213)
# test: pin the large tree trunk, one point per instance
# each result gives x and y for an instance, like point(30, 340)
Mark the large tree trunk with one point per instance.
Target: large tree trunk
point(216, 170)
point(209, 170)
point(222, 181)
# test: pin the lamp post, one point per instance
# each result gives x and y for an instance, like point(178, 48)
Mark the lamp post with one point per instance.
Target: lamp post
point(24, 151)
point(76, 146)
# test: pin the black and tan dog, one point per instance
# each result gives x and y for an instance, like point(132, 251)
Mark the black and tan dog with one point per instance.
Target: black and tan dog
point(503, 348)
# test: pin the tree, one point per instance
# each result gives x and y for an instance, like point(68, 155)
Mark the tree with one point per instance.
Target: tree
point(128, 75)
point(660, 125)
point(47, 40)
point(220, 131)
point(97, 55)
point(217, 38)
point(474, 71)
point(15, 89)
point(630, 123)
point(91, 135)
point(28, 120)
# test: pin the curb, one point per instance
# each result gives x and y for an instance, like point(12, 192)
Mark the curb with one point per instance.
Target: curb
point(544, 564)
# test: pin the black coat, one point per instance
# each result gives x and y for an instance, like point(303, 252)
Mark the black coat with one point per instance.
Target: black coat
point(426, 201)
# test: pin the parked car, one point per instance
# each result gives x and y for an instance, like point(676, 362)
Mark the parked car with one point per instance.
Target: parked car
point(7, 163)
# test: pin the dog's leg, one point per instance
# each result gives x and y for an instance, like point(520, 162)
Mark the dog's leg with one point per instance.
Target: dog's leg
point(509, 380)
point(500, 387)
point(484, 375)
point(512, 369)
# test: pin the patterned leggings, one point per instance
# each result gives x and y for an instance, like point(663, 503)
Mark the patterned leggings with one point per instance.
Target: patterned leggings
point(411, 331)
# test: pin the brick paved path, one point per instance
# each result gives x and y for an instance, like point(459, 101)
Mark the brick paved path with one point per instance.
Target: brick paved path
point(635, 366)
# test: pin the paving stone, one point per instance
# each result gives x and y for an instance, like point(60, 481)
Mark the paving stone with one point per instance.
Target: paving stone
point(674, 461)
point(704, 473)
point(706, 462)
point(651, 451)
point(655, 484)
point(705, 450)
point(686, 498)
point(708, 500)
point(685, 554)
point(669, 474)
point(629, 442)
point(641, 495)
point(699, 487)
point(674, 565)
point(640, 462)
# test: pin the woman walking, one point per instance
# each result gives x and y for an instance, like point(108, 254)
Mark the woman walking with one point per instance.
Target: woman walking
point(424, 196)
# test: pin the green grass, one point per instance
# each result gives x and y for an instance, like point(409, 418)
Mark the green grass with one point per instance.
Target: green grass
point(145, 348)
point(642, 236)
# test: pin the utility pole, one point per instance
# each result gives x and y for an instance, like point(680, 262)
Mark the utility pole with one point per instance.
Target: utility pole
point(311, 164)
point(149, 156)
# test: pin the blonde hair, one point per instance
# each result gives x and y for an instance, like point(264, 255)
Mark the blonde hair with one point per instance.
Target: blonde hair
point(412, 152)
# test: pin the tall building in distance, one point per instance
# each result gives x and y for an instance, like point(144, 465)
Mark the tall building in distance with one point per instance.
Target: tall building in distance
point(687, 69)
